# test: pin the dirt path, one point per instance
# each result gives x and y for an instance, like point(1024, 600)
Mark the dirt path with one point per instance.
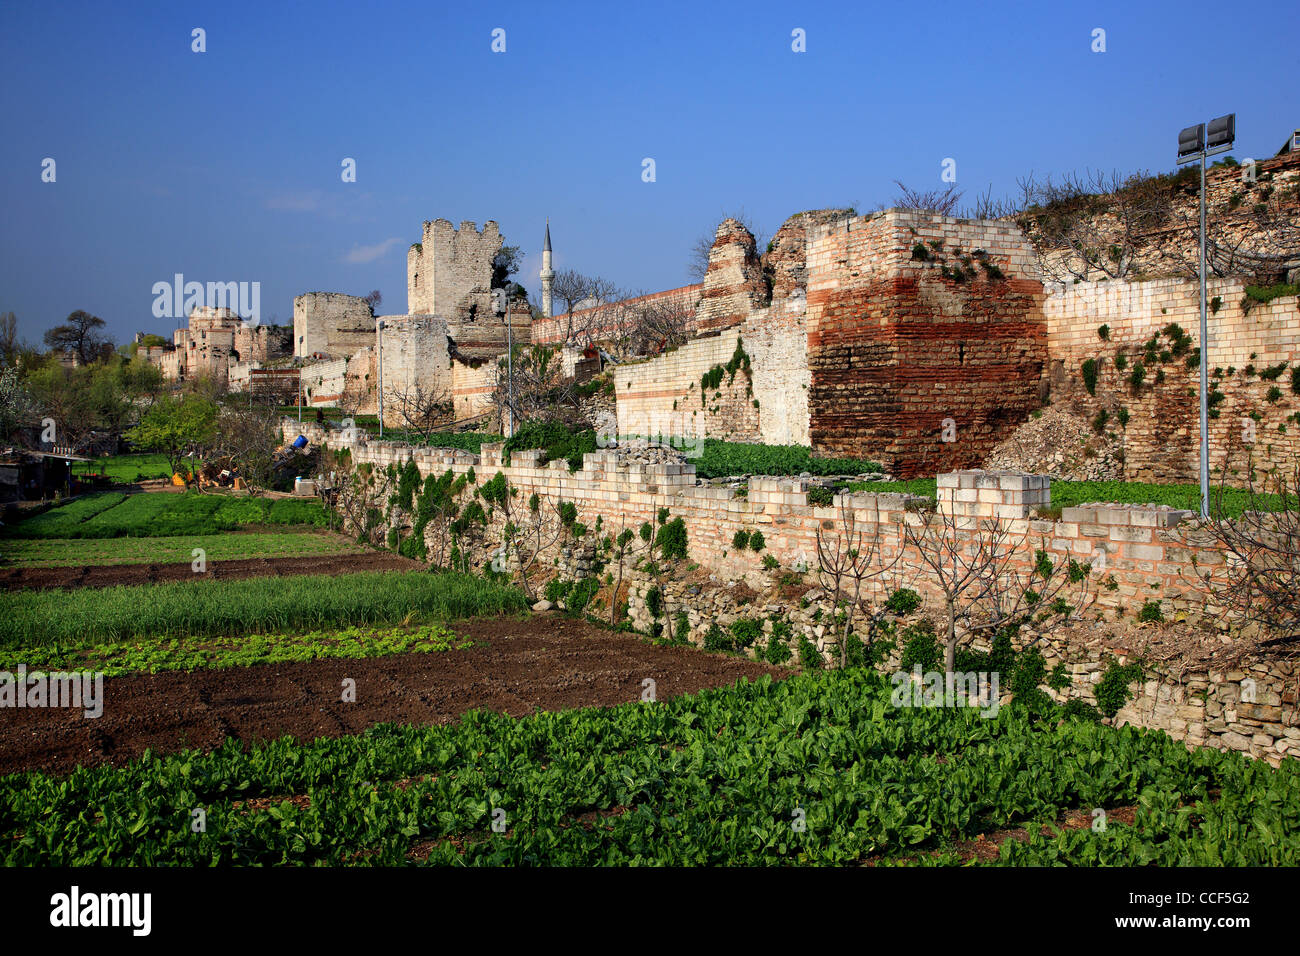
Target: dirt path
point(107, 575)
point(545, 662)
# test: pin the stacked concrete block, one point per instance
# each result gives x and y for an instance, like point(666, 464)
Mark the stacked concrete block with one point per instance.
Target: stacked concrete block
point(993, 494)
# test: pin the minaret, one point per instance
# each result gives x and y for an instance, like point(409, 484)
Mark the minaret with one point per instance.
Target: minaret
point(547, 274)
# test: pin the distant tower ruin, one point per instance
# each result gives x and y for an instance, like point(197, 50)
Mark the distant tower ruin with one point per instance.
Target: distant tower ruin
point(547, 274)
point(450, 267)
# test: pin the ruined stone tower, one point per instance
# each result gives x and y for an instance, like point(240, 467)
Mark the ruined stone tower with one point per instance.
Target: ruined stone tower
point(450, 266)
point(547, 274)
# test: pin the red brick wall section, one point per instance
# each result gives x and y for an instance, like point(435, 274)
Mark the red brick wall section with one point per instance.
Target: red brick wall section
point(896, 347)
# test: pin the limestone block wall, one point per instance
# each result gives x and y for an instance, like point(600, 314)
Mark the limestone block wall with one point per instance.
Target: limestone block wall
point(1138, 554)
point(664, 395)
point(1161, 439)
point(776, 339)
point(917, 321)
point(323, 383)
point(332, 323)
point(472, 385)
point(449, 264)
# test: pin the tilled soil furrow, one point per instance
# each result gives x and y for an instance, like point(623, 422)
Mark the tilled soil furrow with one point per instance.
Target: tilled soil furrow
point(519, 665)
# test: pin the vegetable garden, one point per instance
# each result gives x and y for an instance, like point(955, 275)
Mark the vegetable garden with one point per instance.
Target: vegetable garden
point(113, 514)
point(816, 769)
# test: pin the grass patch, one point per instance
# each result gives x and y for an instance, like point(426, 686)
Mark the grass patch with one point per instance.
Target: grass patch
point(1069, 494)
point(124, 469)
point(155, 654)
point(76, 552)
point(163, 514)
point(90, 616)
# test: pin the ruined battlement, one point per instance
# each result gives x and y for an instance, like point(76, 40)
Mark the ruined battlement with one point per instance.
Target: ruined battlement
point(450, 265)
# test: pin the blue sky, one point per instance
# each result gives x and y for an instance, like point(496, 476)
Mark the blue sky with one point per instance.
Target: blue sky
point(225, 165)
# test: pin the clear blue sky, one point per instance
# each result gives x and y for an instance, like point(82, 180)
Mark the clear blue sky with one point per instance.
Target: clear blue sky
point(225, 165)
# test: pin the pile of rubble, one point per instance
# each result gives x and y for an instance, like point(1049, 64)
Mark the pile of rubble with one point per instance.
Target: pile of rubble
point(638, 451)
point(1063, 445)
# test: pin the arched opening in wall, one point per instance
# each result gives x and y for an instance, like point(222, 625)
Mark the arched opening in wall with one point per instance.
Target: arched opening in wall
point(961, 353)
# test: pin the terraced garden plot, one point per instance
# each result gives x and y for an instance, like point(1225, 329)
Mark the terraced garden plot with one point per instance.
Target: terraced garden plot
point(165, 514)
point(128, 575)
point(125, 469)
point(511, 665)
point(93, 552)
point(66, 620)
point(714, 777)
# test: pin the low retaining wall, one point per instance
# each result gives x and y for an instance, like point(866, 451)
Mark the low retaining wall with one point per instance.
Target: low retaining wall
point(1139, 554)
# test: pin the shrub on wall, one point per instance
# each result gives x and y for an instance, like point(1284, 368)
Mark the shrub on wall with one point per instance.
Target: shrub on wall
point(1112, 690)
point(672, 539)
point(745, 631)
point(920, 646)
point(903, 601)
point(1089, 369)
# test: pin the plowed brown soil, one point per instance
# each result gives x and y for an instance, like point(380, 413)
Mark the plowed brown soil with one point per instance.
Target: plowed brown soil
point(544, 662)
point(108, 575)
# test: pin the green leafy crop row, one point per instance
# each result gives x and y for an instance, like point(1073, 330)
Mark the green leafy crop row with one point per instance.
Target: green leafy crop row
point(163, 514)
point(212, 608)
point(815, 769)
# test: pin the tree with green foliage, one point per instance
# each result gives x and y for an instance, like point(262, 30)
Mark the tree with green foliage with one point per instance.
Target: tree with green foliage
point(79, 337)
point(176, 426)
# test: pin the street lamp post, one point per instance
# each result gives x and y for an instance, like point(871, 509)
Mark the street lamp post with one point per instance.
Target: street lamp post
point(1195, 143)
point(379, 347)
point(501, 305)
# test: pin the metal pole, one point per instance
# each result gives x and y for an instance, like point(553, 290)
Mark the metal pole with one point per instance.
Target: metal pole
point(1205, 348)
point(510, 375)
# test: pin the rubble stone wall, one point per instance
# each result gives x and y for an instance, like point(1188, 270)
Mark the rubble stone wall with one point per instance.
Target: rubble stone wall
point(1147, 552)
point(1248, 340)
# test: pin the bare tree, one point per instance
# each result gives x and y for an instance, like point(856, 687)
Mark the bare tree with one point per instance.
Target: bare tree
point(660, 324)
point(943, 201)
point(623, 546)
point(1260, 242)
point(846, 560)
point(986, 207)
point(539, 384)
point(526, 535)
point(572, 289)
point(1091, 225)
point(247, 438)
point(977, 565)
point(420, 410)
point(1259, 581)
point(358, 496)
point(372, 299)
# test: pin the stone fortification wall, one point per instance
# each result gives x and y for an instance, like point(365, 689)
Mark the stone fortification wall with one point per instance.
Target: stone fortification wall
point(926, 339)
point(332, 324)
point(1139, 554)
point(1253, 350)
